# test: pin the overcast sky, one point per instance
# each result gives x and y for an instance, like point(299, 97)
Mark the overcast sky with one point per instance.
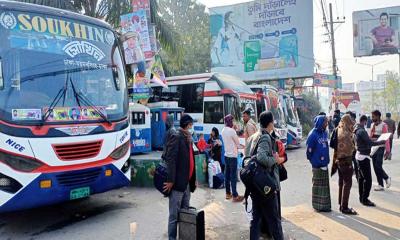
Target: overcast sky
point(349, 69)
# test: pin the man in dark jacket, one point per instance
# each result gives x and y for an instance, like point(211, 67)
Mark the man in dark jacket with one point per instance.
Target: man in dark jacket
point(336, 118)
point(181, 172)
point(363, 146)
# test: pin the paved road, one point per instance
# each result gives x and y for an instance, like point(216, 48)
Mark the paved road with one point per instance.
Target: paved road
point(109, 215)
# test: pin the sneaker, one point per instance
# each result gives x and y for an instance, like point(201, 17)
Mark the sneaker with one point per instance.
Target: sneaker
point(388, 182)
point(228, 196)
point(368, 203)
point(238, 199)
point(379, 188)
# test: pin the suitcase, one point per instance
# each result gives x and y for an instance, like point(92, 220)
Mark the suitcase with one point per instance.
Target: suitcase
point(191, 224)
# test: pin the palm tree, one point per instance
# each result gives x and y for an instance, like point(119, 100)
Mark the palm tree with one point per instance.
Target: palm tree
point(111, 10)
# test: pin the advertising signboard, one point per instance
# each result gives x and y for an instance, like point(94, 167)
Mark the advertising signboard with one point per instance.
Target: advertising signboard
point(376, 31)
point(263, 39)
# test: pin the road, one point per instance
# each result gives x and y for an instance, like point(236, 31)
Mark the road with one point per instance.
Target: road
point(110, 215)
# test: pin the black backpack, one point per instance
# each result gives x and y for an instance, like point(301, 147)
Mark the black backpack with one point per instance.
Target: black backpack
point(256, 178)
point(333, 143)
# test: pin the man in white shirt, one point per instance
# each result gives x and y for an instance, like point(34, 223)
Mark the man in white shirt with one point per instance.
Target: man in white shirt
point(231, 146)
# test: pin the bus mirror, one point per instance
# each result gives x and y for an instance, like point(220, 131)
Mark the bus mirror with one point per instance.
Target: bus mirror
point(1, 75)
point(117, 81)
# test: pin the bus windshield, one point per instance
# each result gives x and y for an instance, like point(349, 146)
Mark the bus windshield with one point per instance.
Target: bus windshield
point(290, 116)
point(276, 109)
point(71, 69)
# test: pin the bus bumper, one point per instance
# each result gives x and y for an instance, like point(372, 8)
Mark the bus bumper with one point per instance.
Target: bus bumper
point(97, 180)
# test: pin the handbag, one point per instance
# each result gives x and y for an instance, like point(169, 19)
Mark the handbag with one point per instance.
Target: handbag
point(282, 173)
point(160, 177)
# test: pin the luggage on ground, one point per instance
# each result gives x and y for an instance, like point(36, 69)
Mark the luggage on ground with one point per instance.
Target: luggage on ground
point(191, 224)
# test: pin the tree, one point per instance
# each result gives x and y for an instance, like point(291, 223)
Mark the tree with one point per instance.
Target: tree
point(190, 20)
point(111, 10)
point(311, 109)
point(391, 94)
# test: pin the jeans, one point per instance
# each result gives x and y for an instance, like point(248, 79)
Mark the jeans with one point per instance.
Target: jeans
point(177, 201)
point(377, 161)
point(345, 182)
point(364, 179)
point(266, 209)
point(231, 176)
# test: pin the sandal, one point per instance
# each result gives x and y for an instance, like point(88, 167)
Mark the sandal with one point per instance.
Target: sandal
point(349, 211)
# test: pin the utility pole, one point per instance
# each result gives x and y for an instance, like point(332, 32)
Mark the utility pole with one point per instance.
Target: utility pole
point(334, 65)
point(331, 33)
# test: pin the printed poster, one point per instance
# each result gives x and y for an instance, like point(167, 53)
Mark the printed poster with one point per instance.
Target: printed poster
point(62, 114)
point(26, 114)
point(263, 39)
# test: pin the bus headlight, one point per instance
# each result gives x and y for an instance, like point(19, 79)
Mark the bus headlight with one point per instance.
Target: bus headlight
point(8, 184)
point(20, 163)
point(120, 151)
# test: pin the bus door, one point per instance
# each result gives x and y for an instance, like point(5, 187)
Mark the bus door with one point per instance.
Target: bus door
point(140, 131)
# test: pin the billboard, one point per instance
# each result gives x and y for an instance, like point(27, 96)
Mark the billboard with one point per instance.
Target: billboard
point(326, 80)
point(376, 31)
point(263, 39)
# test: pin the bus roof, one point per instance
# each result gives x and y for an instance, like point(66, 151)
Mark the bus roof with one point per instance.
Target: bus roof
point(137, 107)
point(263, 86)
point(40, 9)
point(225, 81)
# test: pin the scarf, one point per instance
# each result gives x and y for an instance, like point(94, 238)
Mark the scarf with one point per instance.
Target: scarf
point(345, 146)
point(187, 135)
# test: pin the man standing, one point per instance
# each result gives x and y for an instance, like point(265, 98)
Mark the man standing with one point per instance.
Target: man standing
point(250, 127)
point(181, 172)
point(379, 128)
point(392, 129)
point(336, 118)
point(363, 146)
point(231, 145)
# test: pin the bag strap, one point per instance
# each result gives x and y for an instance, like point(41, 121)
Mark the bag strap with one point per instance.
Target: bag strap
point(246, 197)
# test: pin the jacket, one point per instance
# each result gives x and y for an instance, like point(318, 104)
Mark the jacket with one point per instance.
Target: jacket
point(178, 162)
point(265, 157)
point(362, 140)
point(317, 144)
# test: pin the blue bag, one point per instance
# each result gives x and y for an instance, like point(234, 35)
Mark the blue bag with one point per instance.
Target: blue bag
point(218, 181)
point(160, 177)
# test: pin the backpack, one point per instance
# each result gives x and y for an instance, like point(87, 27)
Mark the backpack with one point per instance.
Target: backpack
point(160, 177)
point(333, 143)
point(256, 178)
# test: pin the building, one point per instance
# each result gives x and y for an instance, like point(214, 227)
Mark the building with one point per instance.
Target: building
point(369, 101)
point(349, 87)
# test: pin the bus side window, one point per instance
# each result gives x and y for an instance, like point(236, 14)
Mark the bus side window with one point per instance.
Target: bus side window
point(213, 112)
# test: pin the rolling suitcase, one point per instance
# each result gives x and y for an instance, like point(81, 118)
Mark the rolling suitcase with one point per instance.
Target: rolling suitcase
point(191, 224)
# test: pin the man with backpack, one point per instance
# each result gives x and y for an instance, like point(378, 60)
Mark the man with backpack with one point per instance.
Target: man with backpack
point(260, 147)
point(181, 170)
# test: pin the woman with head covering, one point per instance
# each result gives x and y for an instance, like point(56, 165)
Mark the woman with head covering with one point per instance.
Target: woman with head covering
point(343, 157)
point(318, 155)
point(216, 146)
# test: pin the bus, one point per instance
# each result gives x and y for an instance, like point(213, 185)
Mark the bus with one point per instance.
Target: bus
point(64, 128)
point(268, 100)
point(208, 98)
point(140, 128)
point(295, 134)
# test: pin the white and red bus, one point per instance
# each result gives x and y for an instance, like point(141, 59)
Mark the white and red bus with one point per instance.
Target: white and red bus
point(268, 100)
point(208, 98)
point(64, 129)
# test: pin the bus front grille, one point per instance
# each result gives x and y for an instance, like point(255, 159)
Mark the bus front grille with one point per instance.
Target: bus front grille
point(77, 178)
point(77, 151)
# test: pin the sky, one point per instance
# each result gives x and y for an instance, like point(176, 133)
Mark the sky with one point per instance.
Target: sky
point(349, 69)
